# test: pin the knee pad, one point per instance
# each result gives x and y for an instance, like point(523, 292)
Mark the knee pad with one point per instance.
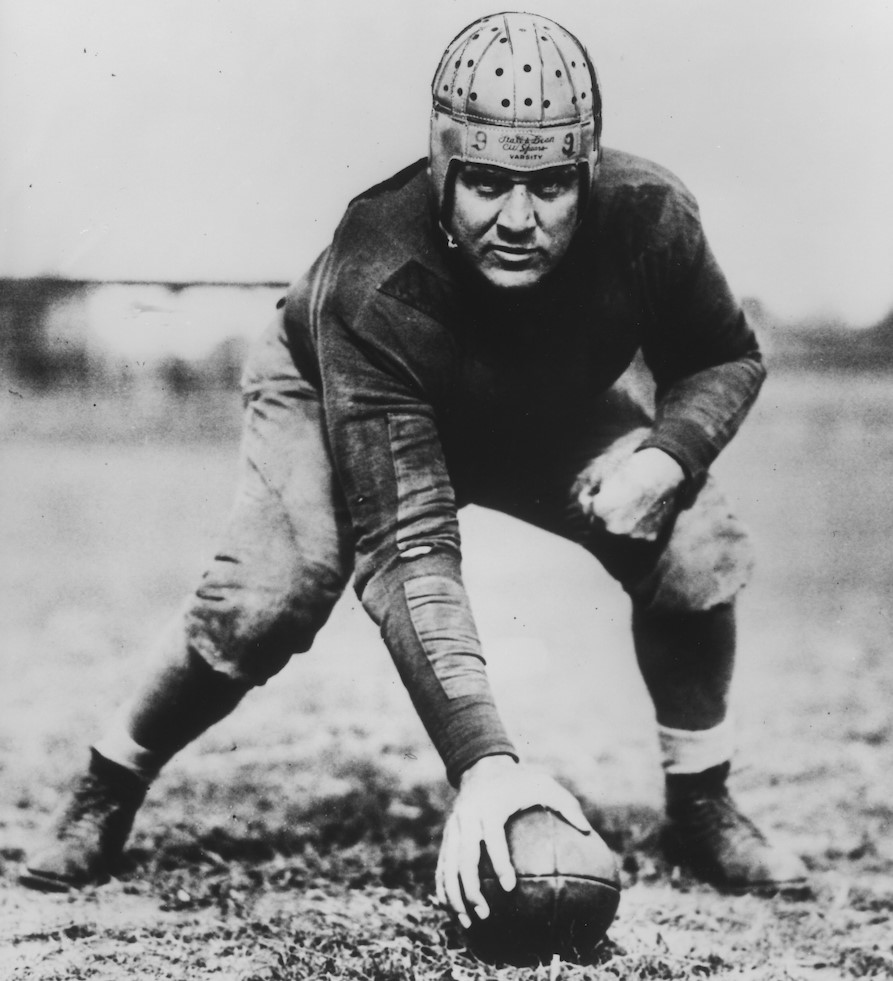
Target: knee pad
point(708, 559)
point(249, 634)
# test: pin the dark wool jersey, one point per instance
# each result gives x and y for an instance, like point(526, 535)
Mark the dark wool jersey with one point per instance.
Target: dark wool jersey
point(439, 390)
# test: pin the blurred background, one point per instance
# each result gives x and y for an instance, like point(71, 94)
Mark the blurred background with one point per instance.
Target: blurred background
point(166, 167)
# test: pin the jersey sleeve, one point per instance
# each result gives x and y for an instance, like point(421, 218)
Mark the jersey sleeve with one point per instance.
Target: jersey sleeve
point(703, 354)
point(387, 453)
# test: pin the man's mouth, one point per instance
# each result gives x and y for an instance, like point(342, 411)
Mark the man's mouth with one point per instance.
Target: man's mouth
point(513, 254)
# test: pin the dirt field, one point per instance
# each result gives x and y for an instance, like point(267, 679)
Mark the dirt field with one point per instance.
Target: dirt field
point(298, 839)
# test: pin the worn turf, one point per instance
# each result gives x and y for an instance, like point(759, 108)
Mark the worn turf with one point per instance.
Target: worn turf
point(298, 839)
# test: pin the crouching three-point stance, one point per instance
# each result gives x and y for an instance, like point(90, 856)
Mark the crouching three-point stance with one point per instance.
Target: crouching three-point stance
point(468, 337)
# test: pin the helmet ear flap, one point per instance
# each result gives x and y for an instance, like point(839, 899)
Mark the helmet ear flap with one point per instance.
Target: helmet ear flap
point(588, 177)
point(585, 177)
point(447, 200)
point(449, 193)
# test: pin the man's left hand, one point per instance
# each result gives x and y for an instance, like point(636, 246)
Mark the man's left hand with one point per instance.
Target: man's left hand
point(636, 498)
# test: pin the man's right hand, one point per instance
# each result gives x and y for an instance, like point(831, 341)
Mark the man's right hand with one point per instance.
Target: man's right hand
point(490, 792)
point(636, 498)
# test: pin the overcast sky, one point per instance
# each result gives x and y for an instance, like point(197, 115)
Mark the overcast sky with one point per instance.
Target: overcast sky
point(221, 139)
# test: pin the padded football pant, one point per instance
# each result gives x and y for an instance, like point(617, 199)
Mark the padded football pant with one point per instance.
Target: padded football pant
point(285, 557)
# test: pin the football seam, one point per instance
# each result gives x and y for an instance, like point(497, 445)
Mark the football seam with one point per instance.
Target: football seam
point(561, 875)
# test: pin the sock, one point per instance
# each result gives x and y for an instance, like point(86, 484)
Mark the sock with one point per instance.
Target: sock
point(126, 786)
point(684, 788)
point(692, 751)
point(118, 746)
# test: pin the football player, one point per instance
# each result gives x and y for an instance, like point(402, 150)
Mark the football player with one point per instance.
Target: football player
point(471, 335)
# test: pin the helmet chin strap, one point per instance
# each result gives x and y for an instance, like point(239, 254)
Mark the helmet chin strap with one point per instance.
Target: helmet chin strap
point(451, 242)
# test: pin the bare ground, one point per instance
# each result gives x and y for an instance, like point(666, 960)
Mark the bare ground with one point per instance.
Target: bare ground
point(298, 838)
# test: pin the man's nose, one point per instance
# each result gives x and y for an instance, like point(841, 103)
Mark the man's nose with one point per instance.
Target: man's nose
point(517, 215)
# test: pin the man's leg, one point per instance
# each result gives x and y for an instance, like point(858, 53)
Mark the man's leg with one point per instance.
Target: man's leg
point(284, 560)
point(684, 632)
point(177, 703)
point(687, 660)
point(683, 589)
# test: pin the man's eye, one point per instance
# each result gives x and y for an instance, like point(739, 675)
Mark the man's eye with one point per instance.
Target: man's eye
point(553, 185)
point(550, 189)
point(489, 187)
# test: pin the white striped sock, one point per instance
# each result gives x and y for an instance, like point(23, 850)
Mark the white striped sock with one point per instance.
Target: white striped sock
point(116, 745)
point(692, 751)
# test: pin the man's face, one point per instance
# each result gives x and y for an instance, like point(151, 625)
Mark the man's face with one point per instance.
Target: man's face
point(514, 227)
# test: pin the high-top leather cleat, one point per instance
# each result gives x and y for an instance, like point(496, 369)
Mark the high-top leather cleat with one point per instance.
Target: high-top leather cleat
point(84, 842)
point(708, 835)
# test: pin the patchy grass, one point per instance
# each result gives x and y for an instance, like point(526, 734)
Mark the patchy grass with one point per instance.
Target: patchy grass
point(298, 839)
